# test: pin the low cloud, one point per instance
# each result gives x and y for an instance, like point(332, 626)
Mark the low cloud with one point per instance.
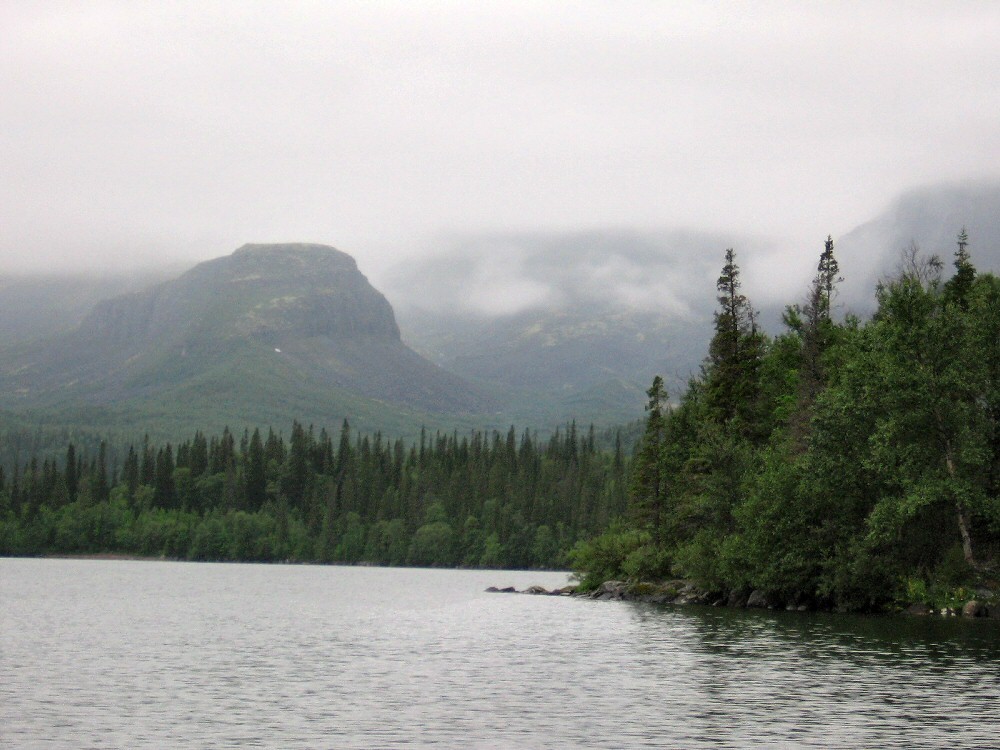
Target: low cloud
point(671, 273)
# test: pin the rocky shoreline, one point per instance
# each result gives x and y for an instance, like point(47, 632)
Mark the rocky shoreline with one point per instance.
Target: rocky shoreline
point(684, 592)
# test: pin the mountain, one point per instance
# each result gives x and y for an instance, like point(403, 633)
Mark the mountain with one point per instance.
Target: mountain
point(268, 334)
point(527, 328)
point(575, 324)
point(929, 218)
point(567, 326)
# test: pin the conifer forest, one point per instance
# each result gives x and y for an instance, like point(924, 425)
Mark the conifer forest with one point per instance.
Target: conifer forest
point(844, 462)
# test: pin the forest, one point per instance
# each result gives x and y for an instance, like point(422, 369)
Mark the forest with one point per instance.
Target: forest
point(483, 500)
point(841, 464)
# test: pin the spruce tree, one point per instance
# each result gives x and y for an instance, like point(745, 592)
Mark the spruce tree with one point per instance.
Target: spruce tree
point(735, 352)
point(648, 487)
point(255, 473)
point(959, 286)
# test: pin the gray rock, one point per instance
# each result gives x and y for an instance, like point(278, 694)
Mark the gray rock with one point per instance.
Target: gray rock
point(919, 608)
point(974, 609)
point(612, 590)
point(758, 600)
point(564, 591)
point(535, 590)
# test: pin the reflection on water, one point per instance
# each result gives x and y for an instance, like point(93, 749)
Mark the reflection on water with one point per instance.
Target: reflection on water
point(146, 654)
point(836, 680)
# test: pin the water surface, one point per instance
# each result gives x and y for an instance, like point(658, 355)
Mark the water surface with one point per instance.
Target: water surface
point(138, 654)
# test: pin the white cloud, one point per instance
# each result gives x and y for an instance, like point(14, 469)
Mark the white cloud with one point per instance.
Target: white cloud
point(131, 131)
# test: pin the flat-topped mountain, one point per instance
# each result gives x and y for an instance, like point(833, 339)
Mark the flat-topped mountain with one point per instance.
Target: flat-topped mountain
point(262, 292)
point(265, 335)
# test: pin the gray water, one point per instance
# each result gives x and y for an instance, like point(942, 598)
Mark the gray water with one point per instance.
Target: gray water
point(135, 654)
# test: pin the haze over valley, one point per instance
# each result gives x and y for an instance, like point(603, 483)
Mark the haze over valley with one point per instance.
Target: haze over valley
point(534, 329)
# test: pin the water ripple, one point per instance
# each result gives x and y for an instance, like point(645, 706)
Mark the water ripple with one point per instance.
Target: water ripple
point(151, 655)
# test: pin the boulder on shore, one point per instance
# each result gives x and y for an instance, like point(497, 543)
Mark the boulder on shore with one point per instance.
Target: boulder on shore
point(974, 609)
point(564, 591)
point(759, 600)
point(610, 590)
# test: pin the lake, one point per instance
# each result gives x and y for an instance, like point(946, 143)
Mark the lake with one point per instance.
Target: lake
point(147, 654)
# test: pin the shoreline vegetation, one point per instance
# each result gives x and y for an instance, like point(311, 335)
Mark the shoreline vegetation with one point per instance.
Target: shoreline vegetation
point(486, 500)
point(843, 465)
point(679, 592)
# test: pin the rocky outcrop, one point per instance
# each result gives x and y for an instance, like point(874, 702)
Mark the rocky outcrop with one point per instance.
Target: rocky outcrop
point(738, 598)
point(267, 292)
point(686, 592)
point(759, 599)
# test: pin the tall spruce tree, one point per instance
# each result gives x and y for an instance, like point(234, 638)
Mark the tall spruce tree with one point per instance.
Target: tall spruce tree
point(735, 352)
point(959, 286)
point(648, 486)
point(813, 323)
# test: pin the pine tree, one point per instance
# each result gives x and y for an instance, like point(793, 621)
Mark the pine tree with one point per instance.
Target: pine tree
point(72, 478)
point(164, 491)
point(735, 352)
point(100, 488)
point(255, 473)
point(814, 325)
point(648, 488)
point(130, 473)
point(959, 286)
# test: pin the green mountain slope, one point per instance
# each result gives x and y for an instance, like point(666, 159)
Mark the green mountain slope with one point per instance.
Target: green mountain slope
point(269, 334)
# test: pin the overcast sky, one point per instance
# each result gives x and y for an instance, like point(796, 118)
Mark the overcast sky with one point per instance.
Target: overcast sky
point(140, 132)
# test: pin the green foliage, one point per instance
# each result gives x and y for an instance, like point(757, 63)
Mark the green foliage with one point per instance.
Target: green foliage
point(480, 500)
point(838, 464)
point(603, 557)
point(648, 487)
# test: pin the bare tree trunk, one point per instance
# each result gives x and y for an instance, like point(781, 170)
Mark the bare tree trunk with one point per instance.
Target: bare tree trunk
point(964, 524)
point(964, 529)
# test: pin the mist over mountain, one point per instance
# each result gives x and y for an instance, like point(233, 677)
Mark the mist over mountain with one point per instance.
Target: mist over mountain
point(498, 275)
point(930, 218)
point(34, 306)
point(533, 328)
point(563, 314)
point(265, 335)
point(575, 323)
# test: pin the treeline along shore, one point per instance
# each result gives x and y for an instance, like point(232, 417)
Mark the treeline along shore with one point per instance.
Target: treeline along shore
point(843, 464)
point(483, 500)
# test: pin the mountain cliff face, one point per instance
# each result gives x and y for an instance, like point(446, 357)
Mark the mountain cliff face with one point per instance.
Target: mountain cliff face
point(264, 292)
point(268, 334)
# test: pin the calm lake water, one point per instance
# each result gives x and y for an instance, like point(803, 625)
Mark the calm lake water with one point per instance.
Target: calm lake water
point(130, 654)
